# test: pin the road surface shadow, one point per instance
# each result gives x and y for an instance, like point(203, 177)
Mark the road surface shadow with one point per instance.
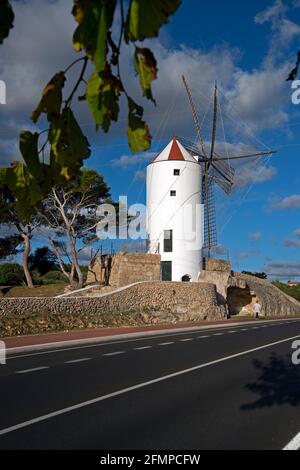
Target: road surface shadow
point(278, 383)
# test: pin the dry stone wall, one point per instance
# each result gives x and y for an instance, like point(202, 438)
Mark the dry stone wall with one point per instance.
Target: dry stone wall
point(141, 304)
point(215, 264)
point(128, 268)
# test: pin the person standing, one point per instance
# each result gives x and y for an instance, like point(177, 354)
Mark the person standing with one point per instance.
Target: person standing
point(257, 308)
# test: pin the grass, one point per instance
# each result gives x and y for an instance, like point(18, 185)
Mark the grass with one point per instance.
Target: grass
point(50, 290)
point(292, 291)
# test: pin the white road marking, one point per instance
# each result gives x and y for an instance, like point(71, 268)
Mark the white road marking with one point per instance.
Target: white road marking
point(113, 353)
point(142, 347)
point(166, 344)
point(203, 336)
point(74, 361)
point(294, 444)
point(232, 331)
point(244, 329)
point(137, 387)
point(218, 334)
point(121, 341)
point(186, 339)
point(25, 371)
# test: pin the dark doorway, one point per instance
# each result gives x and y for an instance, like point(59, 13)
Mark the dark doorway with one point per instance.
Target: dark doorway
point(166, 270)
point(239, 301)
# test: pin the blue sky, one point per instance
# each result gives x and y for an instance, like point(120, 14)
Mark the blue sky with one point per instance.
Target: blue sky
point(249, 47)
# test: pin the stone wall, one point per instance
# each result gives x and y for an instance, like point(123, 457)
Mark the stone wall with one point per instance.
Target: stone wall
point(239, 292)
point(274, 302)
point(128, 268)
point(140, 304)
point(214, 264)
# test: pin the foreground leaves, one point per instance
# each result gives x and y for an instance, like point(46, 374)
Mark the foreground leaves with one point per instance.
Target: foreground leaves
point(51, 98)
point(139, 137)
point(6, 19)
point(145, 17)
point(31, 180)
point(29, 151)
point(95, 19)
point(103, 91)
point(69, 147)
point(146, 67)
point(294, 72)
point(25, 188)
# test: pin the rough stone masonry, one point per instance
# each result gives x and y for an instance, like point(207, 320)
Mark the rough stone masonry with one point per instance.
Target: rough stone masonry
point(141, 304)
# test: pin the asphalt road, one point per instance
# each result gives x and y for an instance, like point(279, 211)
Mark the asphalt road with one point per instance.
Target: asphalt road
point(225, 388)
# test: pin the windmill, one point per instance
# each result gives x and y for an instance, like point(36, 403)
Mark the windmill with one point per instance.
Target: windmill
point(216, 169)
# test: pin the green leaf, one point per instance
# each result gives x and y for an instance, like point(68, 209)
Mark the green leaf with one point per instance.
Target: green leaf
point(139, 137)
point(69, 147)
point(51, 98)
point(94, 18)
point(25, 188)
point(6, 19)
point(29, 151)
point(145, 17)
point(146, 67)
point(103, 91)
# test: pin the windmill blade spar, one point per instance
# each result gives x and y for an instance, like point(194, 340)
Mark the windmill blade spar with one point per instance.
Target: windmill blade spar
point(223, 175)
point(250, 155)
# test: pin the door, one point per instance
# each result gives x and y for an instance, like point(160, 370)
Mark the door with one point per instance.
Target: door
point(166, 270)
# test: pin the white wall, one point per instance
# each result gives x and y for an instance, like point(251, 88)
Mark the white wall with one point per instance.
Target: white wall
point(183, 214)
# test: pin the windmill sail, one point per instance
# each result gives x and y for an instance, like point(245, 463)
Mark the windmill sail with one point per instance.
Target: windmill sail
point(216, 169)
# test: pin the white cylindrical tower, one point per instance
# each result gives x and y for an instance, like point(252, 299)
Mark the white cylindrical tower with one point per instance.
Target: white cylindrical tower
point(175, 212)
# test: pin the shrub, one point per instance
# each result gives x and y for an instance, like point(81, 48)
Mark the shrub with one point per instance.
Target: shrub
point(11, 274)
point(291, 291)
point(43, 261)
point(36, 277)
point(84, 269)
point(53, 277)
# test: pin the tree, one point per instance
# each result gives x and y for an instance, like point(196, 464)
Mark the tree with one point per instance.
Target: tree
point(11, 274)
point(43, 260)
point(9, 216)
point(68, 216)
point(259, 275)
point(9, 246)
point(96, 21)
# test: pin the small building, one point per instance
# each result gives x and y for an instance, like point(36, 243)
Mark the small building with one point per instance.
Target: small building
point(175, 212)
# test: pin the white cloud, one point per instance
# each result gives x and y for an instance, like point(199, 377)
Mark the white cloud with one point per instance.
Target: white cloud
point(292, 243)
point(297, 233)
point(247, 175)
point(130, 160)
point(140, 175)
point(271, 13)
point(40, 44)
point(259, 96)
point(288, 31)
point(286, 203)
point(284, 31)
point(255, 236)
point(283, 270)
